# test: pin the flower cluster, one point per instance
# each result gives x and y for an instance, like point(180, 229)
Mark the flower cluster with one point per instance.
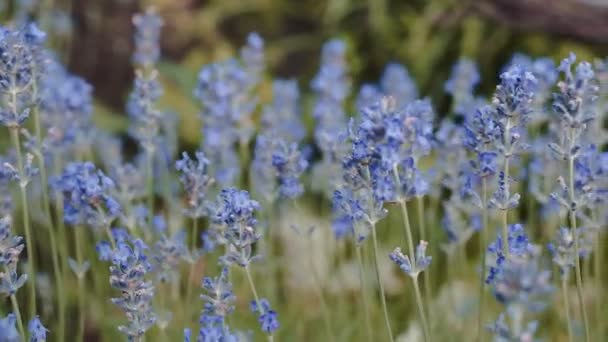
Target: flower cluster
point(267, 317)
point(11, 247)
point(66, 111)
point(87, 200)
point(281, 118)
point(127, 274)
point(234, 212)
point(196, 182)
point(20, 66)
point(277, 168)
point(421, 262)
point(461, 84)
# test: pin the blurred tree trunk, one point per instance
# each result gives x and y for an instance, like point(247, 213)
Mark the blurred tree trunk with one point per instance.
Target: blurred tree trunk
point(585, 20)
point(101, 47)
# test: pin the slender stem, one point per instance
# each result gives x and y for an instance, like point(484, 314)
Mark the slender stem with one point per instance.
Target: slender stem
point(577, 266)
point(80, 278)
point(406, 220)
point(255, 296)
point(193, 265)
point(59, 285)
point(18, 314)
point(483, 241)
point(362, 284)
point(150, 186)
point(504, 214)
point(567, 304)
point(407, 228)
point(427, 274)
point(598, 281)
point(63, 249)
point(14, 131)
point(425, 325)
point(194, 233)
point(380, 283)
point(46, 205)
point(323, 301)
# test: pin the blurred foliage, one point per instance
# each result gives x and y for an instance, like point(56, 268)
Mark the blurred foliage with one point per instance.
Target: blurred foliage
point(425, 35)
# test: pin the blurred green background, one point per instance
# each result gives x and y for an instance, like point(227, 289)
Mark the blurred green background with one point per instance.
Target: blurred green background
point(94, 39)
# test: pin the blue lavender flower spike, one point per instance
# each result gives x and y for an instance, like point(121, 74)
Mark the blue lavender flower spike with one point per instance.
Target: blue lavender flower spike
point(37, 330)
point(147, 35)
point(87, 195)
point(11, 247)
point(267, 318)
point(8, 329)
point(397, 83)
point(461, 84)
point(127, 274)
point(422, 262)
point(196, 182)
point(219, 298)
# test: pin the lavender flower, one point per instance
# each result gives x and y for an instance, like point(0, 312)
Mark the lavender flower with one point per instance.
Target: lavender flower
point(397, 83)
point(267, 318)
point(277, 167)
point(147, 35)
point(37, 330)
point(169, 252)
point(66, 106)
point(252, 56)
point(87, 198)
point(214, 328)
point(222, 89)
point(461, 84)
point(421, 262)
point(127, 274)
point(504, 333)
point(141, 107)
point(234, 211)
point(331, 86)
point(514, 95)
point(563, 251)
point(196, 181)
point(219, 298)
point(517, 278)
point(11, 247)
point(281, 118)
point(20, 59)
point(8, 331)
point(8, 170)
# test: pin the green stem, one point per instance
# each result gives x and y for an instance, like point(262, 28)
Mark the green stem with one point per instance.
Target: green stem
point(18, 314)
point(406, 220)
point(504, 213)
point(193, 265)
point(362, 284)
point(427, 274)
point(382, 294)
point(567, 304)
point(483, 240)
point(577, 266)
point(14, 131)
point(425, 325)
point(322, 300)
point(255, 295)
point(80, 278)
point(46, 204)
point(599, 253)
point(150, 186)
